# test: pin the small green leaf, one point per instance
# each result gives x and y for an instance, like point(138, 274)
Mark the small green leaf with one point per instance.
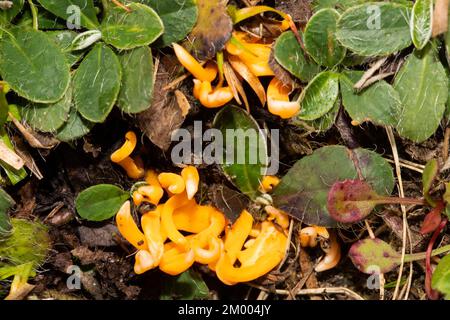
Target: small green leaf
point(136, 92)
point(74, 128)
point(97, 83)
point(100, 202)
point(6, 202)
point(245, 149)
point(33, 65)
point(8, 14)
point(63, 39)
point(441, 277)
point(178, 17)
point(128, 30)
point(320, 38)
point(187, 286)
point(212, 30)
point(290, 55)
point(421, 23)
point(379, 103)
point(375, 28)
point(374, 256)
point(48, 117)
point(68, 9)
point(319, 96)
point(428, 175)
point(303, 191)
point(340, 5)
point(423, 88)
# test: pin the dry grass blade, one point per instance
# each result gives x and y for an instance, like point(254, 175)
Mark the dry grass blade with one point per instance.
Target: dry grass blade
point(182, 102)
point(323, 291)
point(235, 85)
point(398, 171)
point(33, 138)
point(248, 76)
point(369, 73)
point(10, 157)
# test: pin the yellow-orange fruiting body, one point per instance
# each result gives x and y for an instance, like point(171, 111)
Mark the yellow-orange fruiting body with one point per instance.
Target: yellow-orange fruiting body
point(128, 228)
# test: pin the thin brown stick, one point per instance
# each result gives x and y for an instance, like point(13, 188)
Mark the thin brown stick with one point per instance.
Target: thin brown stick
point(323, 291)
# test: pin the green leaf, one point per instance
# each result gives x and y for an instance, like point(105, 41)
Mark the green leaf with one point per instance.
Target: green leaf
point(61, 8)
point(290, 55)
point(245, 149)
point(178, 17)
point(428, 175)
point(375, 29)
point(33, 65)
point(63, 39)
point(8, 14)
point(303, 191)
point(421, 23)
point(187, 286)
point(128, 30)
point(423, 87)
point(28, 243)
point(325, 122)
point(320, 38)
point(48, 117)
point(100, 202)
point(378, 103)
point(136, 92)
point(74, 128)
point(6, 202)
point(441, 277)
point(212, 30)
point(97, 83)
point(319, 96)
point(374, 256)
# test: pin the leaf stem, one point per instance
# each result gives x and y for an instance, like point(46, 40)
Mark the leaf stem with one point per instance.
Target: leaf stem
point(423, 255)
point(398, 200)
point(34, 14)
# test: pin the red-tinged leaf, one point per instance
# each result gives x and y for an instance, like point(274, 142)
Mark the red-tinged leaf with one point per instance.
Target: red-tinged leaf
point(432, 219)
point(351, 201)
point(374, 256)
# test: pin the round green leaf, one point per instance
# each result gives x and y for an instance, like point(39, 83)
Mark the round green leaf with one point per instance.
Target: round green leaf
point(245, 149)
point(423, 88)
point(303, 191)
point(128, 30)
point(48, 117)
point(136, 92)
point(320, 38)
point(421, 23)
point(68, 9)
point(379, 103)
point(63, 39)
point(97, 83)
point(100, 202)
point(33, 65)
point(441, 277)
point(74, 128)
point(375, 28)
point(290, 55)
point(178, 16)
point(319, 96)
